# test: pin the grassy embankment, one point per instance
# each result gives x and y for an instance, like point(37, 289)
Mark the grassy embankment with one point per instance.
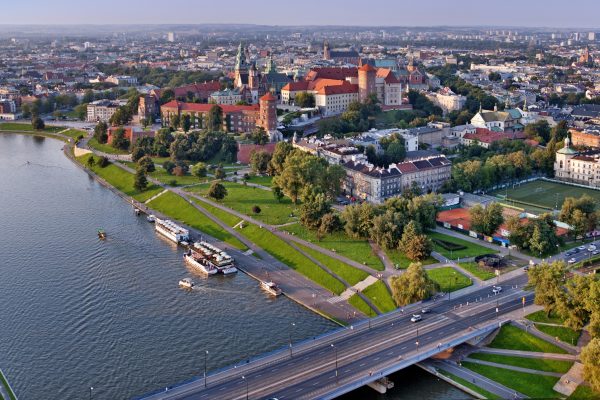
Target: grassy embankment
point(562, 333)
point(449, 279)
point(105, 148)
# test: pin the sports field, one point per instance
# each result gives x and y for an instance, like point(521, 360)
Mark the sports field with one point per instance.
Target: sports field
point(542, 196)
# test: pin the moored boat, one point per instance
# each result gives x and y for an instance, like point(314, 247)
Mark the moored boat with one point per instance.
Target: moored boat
point(199, 262)
point(222, 261)
point(171, 230)
point(271, 287)
point(101, 234)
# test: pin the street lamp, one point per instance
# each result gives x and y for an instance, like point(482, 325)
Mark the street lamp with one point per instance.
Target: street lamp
point(292, 325)
point(497, 305)
point(336, 363)
point(205, 357)
point(246, 380)
point(91, 389)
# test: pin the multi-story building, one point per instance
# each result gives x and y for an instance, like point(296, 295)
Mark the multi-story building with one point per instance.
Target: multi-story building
point(332, 100)
point(588, 137)
point(447, 100)
point(577, 167)
point(227, 96)
point(102, 110)
point(499, 121)
point(374, 184)
point(122, 80)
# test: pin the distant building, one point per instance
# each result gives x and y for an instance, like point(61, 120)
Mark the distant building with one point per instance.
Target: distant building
point(447, 100)
point(171, 37)
point(122, 80)
point(498, 121)
point(132, 133)
point(586, 138)
point(226, 96)
point(102, 110)
point(346, 56)
point(577, 167)
point(374, 184)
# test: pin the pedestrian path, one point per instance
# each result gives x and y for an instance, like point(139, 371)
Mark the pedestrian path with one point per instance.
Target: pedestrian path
point(529, 354)
point(156, 196)
point(359, 287)
point(568, 383)
point(535, 332)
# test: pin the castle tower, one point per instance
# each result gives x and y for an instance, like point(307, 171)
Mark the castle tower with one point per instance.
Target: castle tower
point(267, 116)
point(326, 53)
point(253, 77)
point(366, 81)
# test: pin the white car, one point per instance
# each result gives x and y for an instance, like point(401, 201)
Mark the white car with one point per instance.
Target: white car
point(496, 289)
point(416, 318)
point(591, 247)
point(595, 252)
point(581, 248)
point(572, 261)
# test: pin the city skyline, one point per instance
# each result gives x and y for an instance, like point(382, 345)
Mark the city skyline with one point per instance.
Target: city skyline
point(336, 12)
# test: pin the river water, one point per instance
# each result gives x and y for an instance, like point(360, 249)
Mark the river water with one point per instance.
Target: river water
point(77, 312)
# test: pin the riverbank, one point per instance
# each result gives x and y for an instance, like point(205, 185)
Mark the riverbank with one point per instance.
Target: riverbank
point(6, 391)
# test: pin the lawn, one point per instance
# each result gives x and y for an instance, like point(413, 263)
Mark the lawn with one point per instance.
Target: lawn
point(512, 338)
point(121, 179)
point(261, 180)
point(74, 133)
point(163, 176)
point(449, 279)
point(357, 302)
point(105, 148)
point(473, 387)
point(26, 127)
point(562, 333)
point(346, 272)
point(547, 195)
point(242, 198)
point(470, 250)
point(524, 362)
point(285, 253)
point(541, 316)
point(381, 297)
point(177, 208)
point(531, 385)
point(584, 393)
point(355, 249)
point(482, 273)
point(400, 260)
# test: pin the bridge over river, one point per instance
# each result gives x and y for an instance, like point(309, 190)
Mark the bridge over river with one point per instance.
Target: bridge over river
point(343, 360)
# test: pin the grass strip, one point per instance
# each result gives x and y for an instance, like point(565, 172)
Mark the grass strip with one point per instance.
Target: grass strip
point(512, 338)
point(481, 272)
point(449, 279)
point(357, 302)
point(346, 272)
point(562, 333)
point(540, 364)
point(531, 385)
point(469, 250)
point(473, 387)
point(381, 297)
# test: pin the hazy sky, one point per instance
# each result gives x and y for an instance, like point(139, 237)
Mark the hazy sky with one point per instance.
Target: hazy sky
point(546, 13)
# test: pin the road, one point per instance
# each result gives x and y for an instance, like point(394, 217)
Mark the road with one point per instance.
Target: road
point(361, 352)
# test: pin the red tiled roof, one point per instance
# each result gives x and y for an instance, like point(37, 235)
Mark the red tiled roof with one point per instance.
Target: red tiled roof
point(197, 107)
point(338, 89)
point(331, 73)
point(367, 68)
point(268, 97)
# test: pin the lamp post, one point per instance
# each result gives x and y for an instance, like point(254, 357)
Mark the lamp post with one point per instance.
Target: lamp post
point(336, 363)
point(91, 390)
point(497, 305)
point(292, 325)
point(246, 380)
point(205, 360)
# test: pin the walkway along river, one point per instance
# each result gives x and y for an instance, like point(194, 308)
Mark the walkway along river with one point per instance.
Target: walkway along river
point(79, 313)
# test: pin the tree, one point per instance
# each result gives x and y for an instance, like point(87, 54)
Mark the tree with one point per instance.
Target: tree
point(80, 111)
point(304, 99)
point(330, 223)
point(259, 136)
point(186, 122)
point(121, 116)
point(358, 220)
point(277, 193)
point(220, 173)
point(175, 121)
point(119, 141)
point(38, 124)
point(140, 181)
point(579, 213)
point(199, 170)
point(91, 162)
point(412, 286)
point(103, 162)
point(217, 191)
point(259, 161)
point(486, 220)
point(282, 150)
point(313, 209)
point(494, 76)
point(547, 279)
point(415, 245)
point(168, 166)
point(146, 164)
point(215, 118)
point(590, 357)
point(386, 229)
point(100, 132)
point(256, 209)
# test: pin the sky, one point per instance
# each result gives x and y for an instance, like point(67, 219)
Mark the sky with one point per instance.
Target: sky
point(535, 13)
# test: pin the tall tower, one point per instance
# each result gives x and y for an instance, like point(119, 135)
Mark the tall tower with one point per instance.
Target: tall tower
point(241, 68)
point(267, 118)
point(253, 77)
point(366, 81)
point(326, 53)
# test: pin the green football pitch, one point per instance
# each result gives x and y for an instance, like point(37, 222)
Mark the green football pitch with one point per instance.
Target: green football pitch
point(540, 196)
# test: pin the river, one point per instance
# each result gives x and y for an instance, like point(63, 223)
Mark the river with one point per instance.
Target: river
point(78, 312)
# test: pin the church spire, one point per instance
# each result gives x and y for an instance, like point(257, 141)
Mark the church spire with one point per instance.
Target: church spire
point(240, 59)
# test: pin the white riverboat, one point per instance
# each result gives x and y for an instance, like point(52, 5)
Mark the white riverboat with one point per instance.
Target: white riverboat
point(171, 230)
point(151, 218)
point(271, 287)
point(199, 262)
point(222, 261)
point(186, 283)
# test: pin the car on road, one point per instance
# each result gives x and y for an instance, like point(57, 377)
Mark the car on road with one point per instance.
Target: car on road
point(572, 261)
point(595, 252)
point(591, 247)
point(526, 268)
point(416, 318)
point(425, 310)
point(581, 248)
point(496, 289)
